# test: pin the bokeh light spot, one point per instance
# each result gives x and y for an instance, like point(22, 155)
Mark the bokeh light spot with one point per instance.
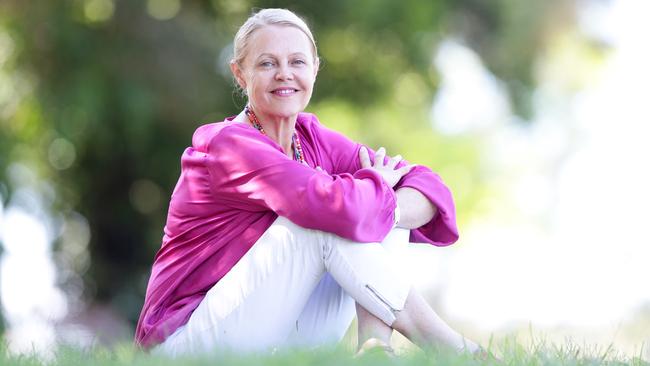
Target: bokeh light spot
point(61, 154)
point(410, 90)
point(163, 9)
point(6, 47)
point(74, 242)
point(145, 196)
point(231, 6)
point(98, 10)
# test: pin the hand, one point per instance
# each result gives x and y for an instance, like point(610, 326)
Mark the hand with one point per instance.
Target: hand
point(388, 171)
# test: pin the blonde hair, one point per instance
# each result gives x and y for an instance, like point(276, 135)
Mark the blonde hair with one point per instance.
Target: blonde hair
point(264, 17)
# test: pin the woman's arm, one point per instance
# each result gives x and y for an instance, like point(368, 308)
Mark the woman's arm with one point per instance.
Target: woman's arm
point(441, 228)
point(415, 209)
point(250, 172)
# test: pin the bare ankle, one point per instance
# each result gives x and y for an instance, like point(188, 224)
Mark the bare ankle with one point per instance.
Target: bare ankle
point(371, 327)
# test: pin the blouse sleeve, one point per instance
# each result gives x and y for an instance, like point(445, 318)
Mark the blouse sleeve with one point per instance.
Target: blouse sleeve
point(249, 171)
point(441, 230)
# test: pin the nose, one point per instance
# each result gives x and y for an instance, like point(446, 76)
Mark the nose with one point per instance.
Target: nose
point(284, 73)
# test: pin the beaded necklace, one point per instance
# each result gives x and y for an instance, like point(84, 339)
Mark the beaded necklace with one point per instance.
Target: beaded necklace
point(298, 154)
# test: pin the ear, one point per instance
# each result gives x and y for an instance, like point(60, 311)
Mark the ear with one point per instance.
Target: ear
point(316, 66)
point(238, 74)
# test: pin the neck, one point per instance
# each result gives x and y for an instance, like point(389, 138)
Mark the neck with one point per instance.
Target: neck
point(279, 129)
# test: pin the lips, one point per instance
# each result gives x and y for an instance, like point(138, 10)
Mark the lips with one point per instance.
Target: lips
point(284, 92)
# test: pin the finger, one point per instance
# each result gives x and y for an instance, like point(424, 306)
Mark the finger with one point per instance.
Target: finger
point(364, 158)
point(392, 162)
point(379, 157)
point(406, 169)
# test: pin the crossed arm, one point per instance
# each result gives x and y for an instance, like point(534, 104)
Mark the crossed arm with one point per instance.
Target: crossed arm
point(415, 209)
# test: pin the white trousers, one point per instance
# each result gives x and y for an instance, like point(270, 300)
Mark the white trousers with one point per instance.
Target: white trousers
point(295, 287)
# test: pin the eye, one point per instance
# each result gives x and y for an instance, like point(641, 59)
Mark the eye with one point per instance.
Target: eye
point(266, 63)
point(299, 61)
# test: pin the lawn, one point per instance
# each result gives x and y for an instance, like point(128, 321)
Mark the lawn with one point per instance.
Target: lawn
point(510, 353)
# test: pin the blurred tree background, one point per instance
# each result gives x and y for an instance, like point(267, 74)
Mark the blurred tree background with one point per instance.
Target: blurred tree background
point(98, 99)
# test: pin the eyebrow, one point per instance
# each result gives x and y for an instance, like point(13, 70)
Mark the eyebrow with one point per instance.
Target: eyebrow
point(273, 56)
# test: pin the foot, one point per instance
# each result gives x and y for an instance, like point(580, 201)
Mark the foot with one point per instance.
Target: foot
point(374, 346)
point(482, 354)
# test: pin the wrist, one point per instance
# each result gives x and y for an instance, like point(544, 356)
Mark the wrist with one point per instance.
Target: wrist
point(396, 215)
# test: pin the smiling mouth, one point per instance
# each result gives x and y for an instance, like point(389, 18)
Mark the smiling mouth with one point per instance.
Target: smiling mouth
point(284, 92)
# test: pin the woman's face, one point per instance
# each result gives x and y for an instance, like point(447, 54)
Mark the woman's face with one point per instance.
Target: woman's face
point(279, 71)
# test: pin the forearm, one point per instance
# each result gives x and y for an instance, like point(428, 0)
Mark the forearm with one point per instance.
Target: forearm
point(415, 209)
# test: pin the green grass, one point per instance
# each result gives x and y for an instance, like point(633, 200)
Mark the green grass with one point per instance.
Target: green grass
point(510, 352)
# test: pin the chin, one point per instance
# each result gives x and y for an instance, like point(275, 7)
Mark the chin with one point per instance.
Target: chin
point(288, 111)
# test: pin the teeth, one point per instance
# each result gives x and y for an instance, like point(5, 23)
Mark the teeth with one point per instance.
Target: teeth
point(285, 91)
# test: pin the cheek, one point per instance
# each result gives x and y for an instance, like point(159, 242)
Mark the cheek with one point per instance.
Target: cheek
point(308, 80)
point(252, 84)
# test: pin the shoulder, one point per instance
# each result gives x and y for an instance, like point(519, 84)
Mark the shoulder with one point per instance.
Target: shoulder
point(224, 134)
point(321, 132)
point(310, 124)
point(308, 121)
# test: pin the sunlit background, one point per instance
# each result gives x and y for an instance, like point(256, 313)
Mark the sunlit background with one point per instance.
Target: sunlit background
point(536, 115)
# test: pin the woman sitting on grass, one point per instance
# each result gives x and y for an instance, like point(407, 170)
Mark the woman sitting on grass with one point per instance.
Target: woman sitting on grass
point(280, 230)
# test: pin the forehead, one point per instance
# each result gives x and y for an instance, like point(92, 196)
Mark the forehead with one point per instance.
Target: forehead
point(279, 40)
